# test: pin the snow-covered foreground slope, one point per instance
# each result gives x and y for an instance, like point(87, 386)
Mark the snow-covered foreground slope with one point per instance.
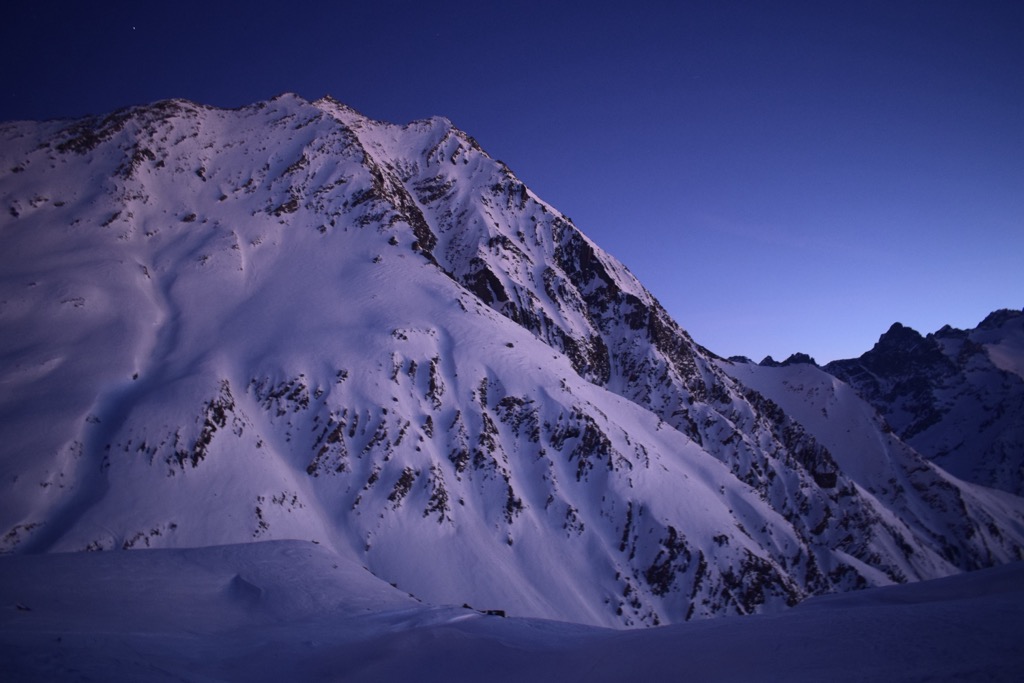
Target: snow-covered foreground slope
point(289, 610)
point(289, 321)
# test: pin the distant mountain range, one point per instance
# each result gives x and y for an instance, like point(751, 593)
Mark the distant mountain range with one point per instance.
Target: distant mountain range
point(289, 321)
point(956, 396)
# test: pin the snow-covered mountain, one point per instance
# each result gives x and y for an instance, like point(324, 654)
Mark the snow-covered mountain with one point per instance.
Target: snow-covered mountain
point(866, 450)
point(956, 396)
point(288, 321)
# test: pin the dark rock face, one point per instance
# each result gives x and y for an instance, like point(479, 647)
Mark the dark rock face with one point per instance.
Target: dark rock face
point(944, 395)
point(998, 319)
point(794, 359)
point(798, 359)
point(901, 372)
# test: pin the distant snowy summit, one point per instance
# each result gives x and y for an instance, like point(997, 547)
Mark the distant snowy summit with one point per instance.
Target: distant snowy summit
point(289, 321)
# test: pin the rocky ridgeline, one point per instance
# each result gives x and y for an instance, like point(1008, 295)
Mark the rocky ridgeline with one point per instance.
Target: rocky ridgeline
point(291, 321)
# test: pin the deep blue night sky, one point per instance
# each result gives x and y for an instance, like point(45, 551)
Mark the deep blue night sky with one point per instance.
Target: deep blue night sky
point(791, 176)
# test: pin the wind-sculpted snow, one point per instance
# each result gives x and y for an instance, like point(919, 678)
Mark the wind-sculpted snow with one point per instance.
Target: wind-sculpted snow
point(291, 322)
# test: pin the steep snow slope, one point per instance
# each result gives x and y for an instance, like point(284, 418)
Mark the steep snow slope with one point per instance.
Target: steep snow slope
point(957, 396)
point(867, 451)
point(290, 610)
point(289, 321)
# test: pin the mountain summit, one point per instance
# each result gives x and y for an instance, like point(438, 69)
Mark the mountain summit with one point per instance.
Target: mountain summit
point(289, 321)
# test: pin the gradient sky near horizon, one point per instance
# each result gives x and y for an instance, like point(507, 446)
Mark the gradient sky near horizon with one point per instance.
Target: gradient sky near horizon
point(783, 176)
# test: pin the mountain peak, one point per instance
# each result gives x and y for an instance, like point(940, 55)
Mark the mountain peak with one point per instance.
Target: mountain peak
point(793, 359)
point(998, 318)
point(899, 334)
point(955, 395)
point(410, 359)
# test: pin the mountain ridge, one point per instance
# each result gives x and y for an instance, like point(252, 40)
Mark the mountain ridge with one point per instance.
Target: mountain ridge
point(290, 321)
point(957, 396)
